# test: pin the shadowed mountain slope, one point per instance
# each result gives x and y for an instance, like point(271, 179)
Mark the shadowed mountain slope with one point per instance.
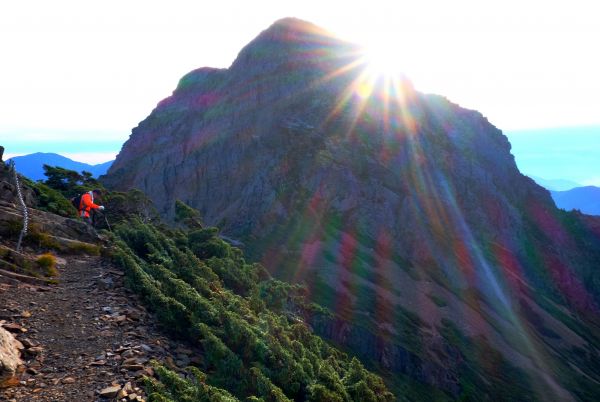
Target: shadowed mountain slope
point(404, 214)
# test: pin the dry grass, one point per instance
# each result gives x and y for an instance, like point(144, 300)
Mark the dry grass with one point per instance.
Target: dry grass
point(83, 248)
point(47, 263)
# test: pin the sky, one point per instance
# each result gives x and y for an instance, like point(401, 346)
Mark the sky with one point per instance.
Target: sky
point(558, 153)
point(77, 76)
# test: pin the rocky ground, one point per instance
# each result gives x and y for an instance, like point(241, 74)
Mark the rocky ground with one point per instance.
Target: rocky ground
point(84, 339)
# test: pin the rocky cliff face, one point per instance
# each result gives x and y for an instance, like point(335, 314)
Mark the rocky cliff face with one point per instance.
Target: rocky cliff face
point(402, 212)
point(250, 144)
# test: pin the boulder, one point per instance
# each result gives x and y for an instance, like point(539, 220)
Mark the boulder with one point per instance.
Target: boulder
point(10, 358)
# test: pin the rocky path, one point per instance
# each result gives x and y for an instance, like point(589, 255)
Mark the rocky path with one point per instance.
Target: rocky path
point(84, 339)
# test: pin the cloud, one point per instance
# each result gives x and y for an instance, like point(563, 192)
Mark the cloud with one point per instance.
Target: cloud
point(93, 158)
point(595, 181)
point(20, 146)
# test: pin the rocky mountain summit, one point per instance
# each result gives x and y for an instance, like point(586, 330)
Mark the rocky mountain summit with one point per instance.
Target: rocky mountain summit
point(402, 212)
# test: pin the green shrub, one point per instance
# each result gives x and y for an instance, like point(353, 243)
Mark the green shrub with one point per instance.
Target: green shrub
point(67, 182)
point(51, 200)
point(133, 204)
point(187, 215)
point(252, 349)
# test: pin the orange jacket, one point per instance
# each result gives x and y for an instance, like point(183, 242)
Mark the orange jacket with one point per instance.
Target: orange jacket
point(87, 204)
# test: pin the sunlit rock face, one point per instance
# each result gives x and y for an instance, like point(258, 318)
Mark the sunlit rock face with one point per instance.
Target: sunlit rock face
point(403, 213)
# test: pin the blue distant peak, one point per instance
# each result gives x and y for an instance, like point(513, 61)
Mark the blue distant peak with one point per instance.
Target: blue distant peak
point(31, 165)
point(555, 184)
point(586, 199)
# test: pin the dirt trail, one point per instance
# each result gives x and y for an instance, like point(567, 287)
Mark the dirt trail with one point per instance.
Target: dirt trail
point(83, 335)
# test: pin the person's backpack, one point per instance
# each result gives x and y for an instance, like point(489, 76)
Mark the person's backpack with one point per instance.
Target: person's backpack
point(76, 201)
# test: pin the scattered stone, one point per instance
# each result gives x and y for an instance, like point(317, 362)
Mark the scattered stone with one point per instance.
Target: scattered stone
point(34, 351)
point(127, 354)
point(122, 394)
point(68, 380)
point(110, 392)
point(132, 367)
point(131, 360)
point(9, 382)
point(105, 283)
point(185, 351)
point(14, 328)
point(28, 343)
point(120, 319)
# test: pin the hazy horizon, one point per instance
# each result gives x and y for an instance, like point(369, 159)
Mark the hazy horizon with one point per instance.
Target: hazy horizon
point(559, 153)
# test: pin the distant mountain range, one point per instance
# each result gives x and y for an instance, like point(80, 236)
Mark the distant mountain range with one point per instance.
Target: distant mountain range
point(31, 165)
point(569, 195)
point(556, 184)
point(586, 199)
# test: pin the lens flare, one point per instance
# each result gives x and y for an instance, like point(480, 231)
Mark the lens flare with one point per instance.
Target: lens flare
point(383, 60)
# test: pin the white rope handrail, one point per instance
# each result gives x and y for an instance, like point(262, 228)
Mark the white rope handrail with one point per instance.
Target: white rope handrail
point(23, 206)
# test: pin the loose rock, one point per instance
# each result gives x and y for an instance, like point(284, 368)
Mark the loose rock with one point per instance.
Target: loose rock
point(110, 392)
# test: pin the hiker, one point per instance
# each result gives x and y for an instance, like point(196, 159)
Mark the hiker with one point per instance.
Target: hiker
point(86, 205)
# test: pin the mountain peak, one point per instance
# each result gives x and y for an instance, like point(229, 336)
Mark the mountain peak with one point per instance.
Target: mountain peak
point(292, 41)
point(293, 23)
point(294, 28)
point(373, 201)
